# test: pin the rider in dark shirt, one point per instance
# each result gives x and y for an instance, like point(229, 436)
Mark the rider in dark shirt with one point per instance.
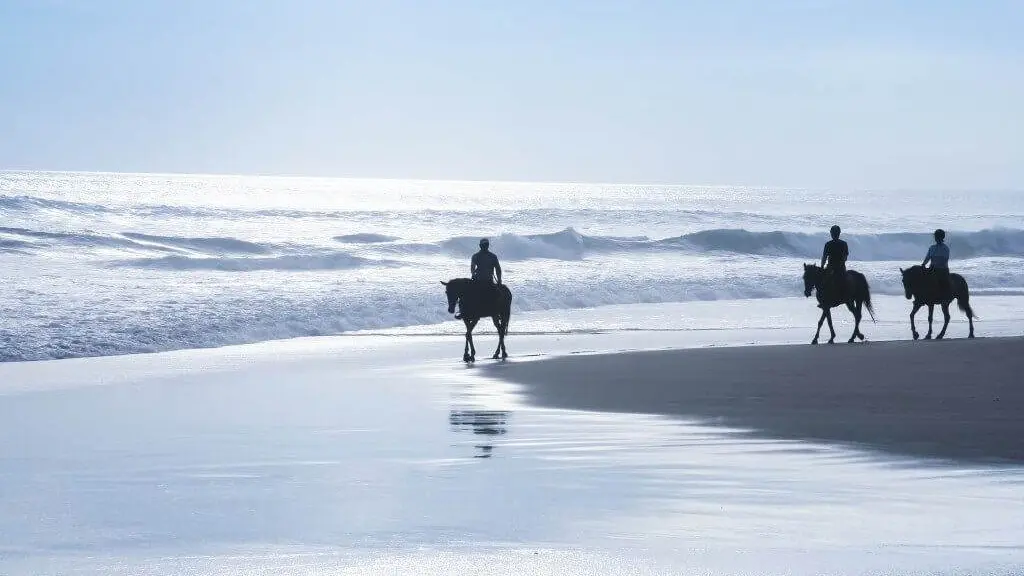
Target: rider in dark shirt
point(484, 266)
point(835, 254)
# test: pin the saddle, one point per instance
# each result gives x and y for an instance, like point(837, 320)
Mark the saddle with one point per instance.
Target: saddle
point(838, 285)
point(480, 301)
point(940, 282)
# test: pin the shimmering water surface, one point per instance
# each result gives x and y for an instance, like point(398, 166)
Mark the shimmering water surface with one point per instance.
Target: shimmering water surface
point(381, 455)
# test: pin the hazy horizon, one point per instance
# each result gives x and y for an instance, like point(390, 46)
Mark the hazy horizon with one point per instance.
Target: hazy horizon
point(833, 95)
point(512, 181)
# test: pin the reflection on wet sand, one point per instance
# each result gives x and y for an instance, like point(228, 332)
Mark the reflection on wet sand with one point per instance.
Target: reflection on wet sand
point(487, 423)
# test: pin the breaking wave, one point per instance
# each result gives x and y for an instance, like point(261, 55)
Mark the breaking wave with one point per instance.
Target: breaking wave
point(199, 244)
point(571, 245)
point(567, 244)
point(291, 262)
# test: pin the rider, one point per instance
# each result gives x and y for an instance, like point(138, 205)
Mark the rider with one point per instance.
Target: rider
point(836, 252)
point(484, 269)
point(938, 255)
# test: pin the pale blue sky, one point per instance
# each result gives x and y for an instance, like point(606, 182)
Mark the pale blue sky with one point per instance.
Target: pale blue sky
point(845, 94)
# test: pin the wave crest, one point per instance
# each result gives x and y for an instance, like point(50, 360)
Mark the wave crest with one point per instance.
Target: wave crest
point(364, 238)
point(331, 261)
point(571, 245)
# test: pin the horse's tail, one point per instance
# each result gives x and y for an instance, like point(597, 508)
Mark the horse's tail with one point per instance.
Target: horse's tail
point(867, 296)
point(963, 296)
point(506, 301)
point(506, 306)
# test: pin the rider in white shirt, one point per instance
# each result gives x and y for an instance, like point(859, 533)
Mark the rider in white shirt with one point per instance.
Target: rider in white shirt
point(938, 255)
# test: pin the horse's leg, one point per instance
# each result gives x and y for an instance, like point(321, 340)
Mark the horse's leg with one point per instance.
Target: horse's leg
point(820, 322)
point(945, 321)
point(506, 317)
point(970, 323)
point(497, 326)
point(831, 329)
point(860, 316)
point(913, 329)
point(855, 310)
point(472, 348)
point(931, 314)
point(465, 350)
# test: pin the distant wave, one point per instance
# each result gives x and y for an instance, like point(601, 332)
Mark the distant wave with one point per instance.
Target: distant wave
point(15, 246)
point(27, 203)
point(42, 238)
point(331, 261)
point(210, 245)
point(364, 238)
point(134, 241)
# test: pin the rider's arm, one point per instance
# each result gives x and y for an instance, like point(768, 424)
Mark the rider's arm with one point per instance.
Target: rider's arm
point(928, 257)
point(497, 270)
point(472, 266)
point(824, 255)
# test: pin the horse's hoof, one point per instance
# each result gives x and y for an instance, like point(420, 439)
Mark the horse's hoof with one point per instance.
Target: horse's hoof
point(814, 342)
point(939, 337)
point(495, 357)
point(928, 337)
point(860, 337)
point(970, 335)
point(916, 336)
point(851, 340)
point(504, 356)
point(831, 340)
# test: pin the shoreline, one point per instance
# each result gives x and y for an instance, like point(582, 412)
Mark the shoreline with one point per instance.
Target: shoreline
point(953, 400)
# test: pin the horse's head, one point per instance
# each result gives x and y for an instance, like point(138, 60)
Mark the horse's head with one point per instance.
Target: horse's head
point(452, 290)
point(909, 280)
point(812, 277)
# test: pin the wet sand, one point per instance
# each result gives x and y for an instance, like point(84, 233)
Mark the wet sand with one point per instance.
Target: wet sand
point(388, 455)
point(954, 400)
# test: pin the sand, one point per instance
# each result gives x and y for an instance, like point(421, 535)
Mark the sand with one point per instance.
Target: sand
point(959, 400)
point(365, 456)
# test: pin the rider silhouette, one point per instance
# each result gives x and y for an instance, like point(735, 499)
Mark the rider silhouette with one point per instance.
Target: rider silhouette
point(938, 255)
point(835, 253)
point(484, 269)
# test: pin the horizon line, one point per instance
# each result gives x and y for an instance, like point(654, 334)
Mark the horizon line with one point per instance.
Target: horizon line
point(509, 181)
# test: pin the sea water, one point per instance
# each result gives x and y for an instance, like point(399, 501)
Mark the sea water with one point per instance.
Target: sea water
point(103, 264)
point(374, 454)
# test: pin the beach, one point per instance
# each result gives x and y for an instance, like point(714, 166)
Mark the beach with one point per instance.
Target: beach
point(955, 399)
point(387, 454)
point(232, 375)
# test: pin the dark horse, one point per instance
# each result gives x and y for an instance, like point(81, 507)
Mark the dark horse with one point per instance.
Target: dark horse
point(464, 293)
point(919, 285)
point(857, 295)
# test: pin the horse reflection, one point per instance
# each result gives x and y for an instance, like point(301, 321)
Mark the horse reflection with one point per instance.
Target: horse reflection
point(487, 423)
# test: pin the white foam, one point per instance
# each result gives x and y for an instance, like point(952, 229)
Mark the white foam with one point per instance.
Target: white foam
point(110, 264)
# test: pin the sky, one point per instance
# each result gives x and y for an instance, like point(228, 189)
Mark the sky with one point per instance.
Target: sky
point(830, 93)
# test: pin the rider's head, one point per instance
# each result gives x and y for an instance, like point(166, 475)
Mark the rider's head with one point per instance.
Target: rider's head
point(940, 235)
point(484, 243)
point(834, 231)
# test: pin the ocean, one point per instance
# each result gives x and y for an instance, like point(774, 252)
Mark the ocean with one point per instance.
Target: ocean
point(105, 264)
point(381, 452)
